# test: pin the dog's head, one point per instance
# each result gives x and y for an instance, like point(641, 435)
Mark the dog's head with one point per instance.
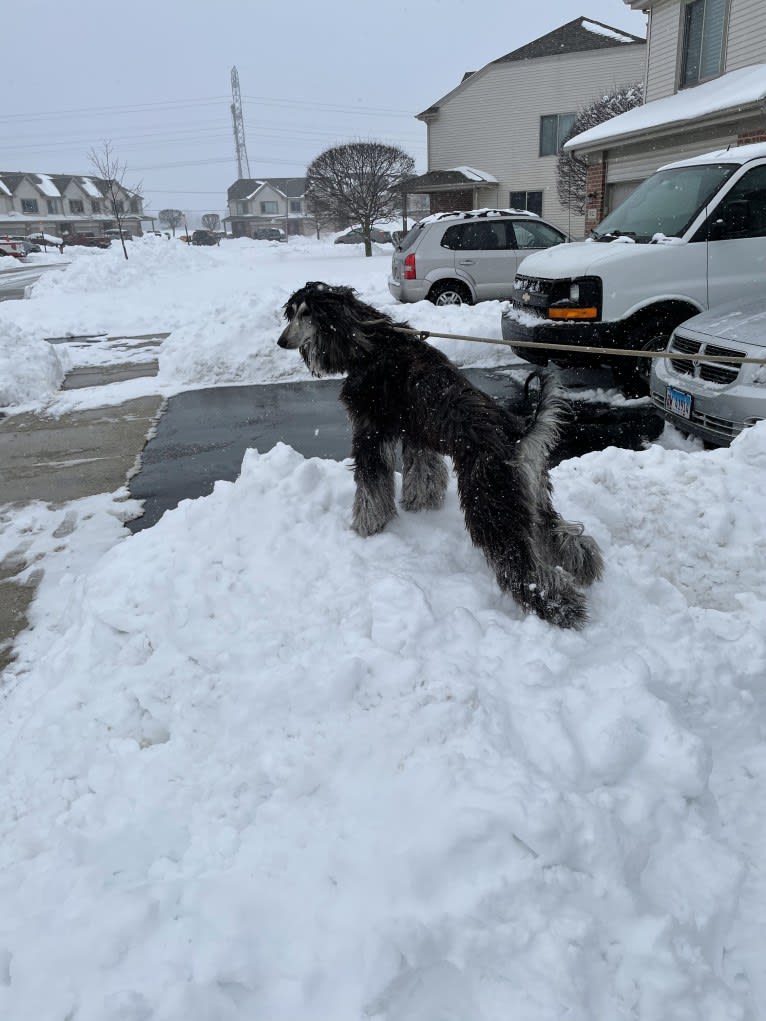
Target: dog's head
point(327, 325)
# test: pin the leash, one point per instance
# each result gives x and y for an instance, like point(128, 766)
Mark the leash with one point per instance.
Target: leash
point(621, 352)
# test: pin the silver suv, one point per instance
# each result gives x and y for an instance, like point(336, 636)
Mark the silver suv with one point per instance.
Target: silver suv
point(462, 257)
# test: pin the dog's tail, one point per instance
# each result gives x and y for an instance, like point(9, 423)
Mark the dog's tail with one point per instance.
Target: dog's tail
point(552, 410)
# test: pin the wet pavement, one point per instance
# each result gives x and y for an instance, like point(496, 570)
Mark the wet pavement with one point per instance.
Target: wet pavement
point(203, 434)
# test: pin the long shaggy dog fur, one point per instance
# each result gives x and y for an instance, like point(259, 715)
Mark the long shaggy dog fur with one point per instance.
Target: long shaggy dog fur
point(397, 389)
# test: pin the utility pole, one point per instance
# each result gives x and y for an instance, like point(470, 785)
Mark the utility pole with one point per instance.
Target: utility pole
point(238, 122)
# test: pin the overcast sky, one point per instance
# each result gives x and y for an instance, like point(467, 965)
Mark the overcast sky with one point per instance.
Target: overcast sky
point(154, 77)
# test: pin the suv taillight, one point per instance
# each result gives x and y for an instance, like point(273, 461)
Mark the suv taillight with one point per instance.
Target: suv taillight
point(409, 267)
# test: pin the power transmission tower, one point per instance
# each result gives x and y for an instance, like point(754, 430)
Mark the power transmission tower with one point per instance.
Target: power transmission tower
point(239, 127)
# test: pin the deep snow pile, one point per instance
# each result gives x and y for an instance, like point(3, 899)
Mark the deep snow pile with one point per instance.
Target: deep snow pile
point(30, 368)
point(258, 767)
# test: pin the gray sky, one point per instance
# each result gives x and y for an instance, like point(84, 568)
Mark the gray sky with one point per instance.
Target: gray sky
point(154, 78)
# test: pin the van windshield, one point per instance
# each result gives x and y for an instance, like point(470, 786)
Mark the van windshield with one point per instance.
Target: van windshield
point(665, 203)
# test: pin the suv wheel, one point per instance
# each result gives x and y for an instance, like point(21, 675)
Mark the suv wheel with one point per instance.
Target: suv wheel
point(449, 292)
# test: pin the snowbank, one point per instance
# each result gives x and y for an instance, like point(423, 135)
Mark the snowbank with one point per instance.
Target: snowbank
point(266, 769)
point(223, 305)
point(30, 368)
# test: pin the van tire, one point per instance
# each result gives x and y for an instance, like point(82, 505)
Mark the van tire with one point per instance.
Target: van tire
point(632, 375)
point(449, 292)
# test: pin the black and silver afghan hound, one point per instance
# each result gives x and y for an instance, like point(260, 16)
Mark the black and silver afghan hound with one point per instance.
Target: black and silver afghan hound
point(398, 388)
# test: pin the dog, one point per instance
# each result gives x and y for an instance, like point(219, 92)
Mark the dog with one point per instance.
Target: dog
point(400, 389)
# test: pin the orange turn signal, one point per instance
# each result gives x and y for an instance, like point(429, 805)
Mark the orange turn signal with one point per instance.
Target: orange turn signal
point(572, 313)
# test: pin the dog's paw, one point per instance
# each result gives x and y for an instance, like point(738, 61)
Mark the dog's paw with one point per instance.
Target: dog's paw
point(555, 599)
point(370, 517)
point(578, 554)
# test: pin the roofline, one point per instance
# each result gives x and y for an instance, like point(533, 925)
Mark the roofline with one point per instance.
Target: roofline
point(671, 127)
point(431, 111)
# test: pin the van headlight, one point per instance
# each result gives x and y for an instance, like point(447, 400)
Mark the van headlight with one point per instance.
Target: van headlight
point(576, 299)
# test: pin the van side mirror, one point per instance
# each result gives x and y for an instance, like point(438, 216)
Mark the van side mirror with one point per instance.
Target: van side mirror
point(730, 220)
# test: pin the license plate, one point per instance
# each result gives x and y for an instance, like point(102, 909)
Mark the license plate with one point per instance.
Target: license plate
point(678, 402)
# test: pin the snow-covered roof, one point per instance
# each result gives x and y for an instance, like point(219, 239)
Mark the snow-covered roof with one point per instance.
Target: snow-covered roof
point(3, 189)
point(89, 187)
point(611, 33)
point(46, 185)
point(732, 91)
point(475, 175)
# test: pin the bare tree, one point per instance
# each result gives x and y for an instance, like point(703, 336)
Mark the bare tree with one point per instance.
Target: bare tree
point(171, 218)
point(571, 170)
point(212, 221)
point(112, 172)
point(358, 183)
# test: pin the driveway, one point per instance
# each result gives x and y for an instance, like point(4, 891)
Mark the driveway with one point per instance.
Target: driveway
point(203, 434)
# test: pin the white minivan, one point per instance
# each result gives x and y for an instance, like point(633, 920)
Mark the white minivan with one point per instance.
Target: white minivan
point(692, 236)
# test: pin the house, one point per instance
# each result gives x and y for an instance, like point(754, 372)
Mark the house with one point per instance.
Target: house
point(494, 139)
point(705, 90)
point(63, 204)
point(267, 202)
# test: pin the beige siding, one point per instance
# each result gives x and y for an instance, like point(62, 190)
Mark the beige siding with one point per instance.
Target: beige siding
point(664, 29)
point(747, 34)
point(493, 122)
point(634, 163)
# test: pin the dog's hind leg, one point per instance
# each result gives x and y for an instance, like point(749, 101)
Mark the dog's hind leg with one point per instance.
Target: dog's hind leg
point(374, 503)
point(500, 515)
point(424, 478)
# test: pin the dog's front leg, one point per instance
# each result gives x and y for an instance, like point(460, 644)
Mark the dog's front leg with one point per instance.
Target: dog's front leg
point(374, 504)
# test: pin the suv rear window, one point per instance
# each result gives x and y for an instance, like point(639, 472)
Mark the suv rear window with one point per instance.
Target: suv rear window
point(410, 237)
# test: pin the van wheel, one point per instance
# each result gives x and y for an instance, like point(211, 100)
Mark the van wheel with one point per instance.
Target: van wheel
point(449, 292)
point(632, 375)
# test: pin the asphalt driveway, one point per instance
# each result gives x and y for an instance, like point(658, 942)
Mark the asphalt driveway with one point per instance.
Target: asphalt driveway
point(203, 434)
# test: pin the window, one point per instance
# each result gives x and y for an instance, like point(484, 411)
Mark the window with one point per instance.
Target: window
point(76, 206)
point(295, 205)
point(29, 205)
point(553, 132)
point(269, 207)
point(134, 206)
point(529, 200)
point(530, 234)
point(742, 214)
point(53, 206)
point(243, 208)
point(119, 206)
point(95, 206)
point(703, 35)
point(485, 236)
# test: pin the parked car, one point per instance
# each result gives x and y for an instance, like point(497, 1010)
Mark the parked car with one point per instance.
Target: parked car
point(691, 236)
point(355, 236)
point(467, 256)
point(87, 240)
point(29, 246)
point(204, 237)
point(45, 240)
point(269, 234)
point(9, 246)
point(714, 400)
point(116, 235)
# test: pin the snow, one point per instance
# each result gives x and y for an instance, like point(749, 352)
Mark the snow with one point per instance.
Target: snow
point(90, 187)
point(46, 185)
point(4, 189)
point(475, 175)
point(611, 33)
point(258, 767)
point(736, 89)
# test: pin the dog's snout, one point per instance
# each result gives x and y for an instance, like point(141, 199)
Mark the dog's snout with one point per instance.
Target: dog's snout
point(285, 339)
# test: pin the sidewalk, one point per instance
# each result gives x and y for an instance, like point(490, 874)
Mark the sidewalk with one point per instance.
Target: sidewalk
point(56, 460)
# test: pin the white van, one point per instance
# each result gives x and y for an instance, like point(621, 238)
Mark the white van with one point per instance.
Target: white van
point(692, 235)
